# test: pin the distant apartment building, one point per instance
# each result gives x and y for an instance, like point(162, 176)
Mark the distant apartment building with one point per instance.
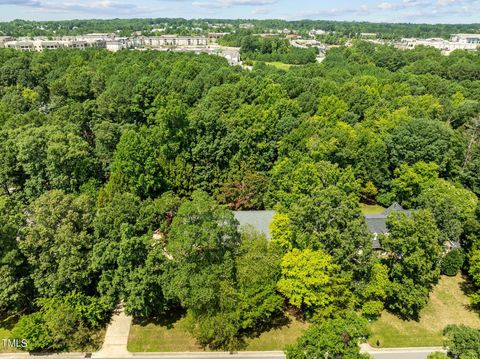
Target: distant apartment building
point(466, 38)
point(41, 45)
point(214, 36)
point(173, 41)
point(4, 39)
point(456, 42)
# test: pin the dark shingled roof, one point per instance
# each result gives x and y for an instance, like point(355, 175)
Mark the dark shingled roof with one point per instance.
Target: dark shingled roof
point(377, 223)
point(260, 220)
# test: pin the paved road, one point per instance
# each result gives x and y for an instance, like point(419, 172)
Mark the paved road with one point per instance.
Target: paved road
point(400, 355)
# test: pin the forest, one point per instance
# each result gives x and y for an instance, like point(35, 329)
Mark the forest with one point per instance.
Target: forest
point(119, 173)
point(125, 27)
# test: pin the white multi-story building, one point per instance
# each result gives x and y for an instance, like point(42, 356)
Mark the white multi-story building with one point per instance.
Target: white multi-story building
point(41, 44)
point(462, 42)
point(466, 38)
point(173, 41)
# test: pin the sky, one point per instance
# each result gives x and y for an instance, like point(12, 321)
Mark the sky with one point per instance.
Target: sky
point(414, 11)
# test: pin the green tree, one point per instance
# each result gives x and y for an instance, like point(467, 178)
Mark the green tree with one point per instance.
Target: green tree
point(411, 181)
point(452, 262)
point(414, 260)
point(376, 290)
point(16, 287)
point(257, 273)
point(58, 241)
point(461, 341)
point(333, 338)
point(311, 282)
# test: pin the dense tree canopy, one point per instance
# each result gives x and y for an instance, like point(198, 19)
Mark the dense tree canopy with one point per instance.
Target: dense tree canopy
point(118, 172)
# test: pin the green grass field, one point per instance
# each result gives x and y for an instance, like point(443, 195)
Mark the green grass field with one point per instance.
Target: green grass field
point(278, 338)
point(448, 304)
point(371, 209)
point(174, 337)
point(278, 65)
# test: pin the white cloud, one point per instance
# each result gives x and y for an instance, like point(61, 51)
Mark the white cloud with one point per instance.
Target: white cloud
point(20, 2)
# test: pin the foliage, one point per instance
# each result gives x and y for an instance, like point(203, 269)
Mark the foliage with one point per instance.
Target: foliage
point(61, 323)
point(376, 290)
point(452, 262)
point(337, 337)
point(110, 162)
point(462, 341)
point(413, 262)
point(57, 242)
point(311, 282)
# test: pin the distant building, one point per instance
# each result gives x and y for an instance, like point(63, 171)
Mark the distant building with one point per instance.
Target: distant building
point(39, 44)
point(457, 42)
point(214, 36)
point(173, 41)
point(114, 46)
point(466, 38)
point(4, 39)
point(368, 35)
point(246, 26)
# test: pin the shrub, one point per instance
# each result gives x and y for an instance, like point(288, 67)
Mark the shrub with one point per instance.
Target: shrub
point(452, 262)
point(437, 355)
point(33, 328)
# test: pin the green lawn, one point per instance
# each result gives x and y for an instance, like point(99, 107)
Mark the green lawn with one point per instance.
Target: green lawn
point(447, 305)
point(278, 338)
point(170, 336)
point(6, 325)
point(371, 209)
point(173, 337)
point(278, 65)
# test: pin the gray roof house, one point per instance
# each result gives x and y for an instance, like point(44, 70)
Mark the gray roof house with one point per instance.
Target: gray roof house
point(260, 220)
point(377, 223)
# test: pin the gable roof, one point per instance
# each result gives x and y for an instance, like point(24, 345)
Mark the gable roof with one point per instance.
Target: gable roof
point(395, 207)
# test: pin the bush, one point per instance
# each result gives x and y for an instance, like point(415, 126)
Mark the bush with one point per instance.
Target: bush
point(452, 262)
point(461, 341)
point(332, 338)
point(33, 328)
point(66, 323)
point(437, 355)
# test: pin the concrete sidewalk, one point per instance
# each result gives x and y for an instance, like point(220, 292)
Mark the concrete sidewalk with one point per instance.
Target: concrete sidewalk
point(116, 337)
point(399, 353)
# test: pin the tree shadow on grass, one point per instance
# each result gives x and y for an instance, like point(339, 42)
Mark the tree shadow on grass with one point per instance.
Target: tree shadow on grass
point(469, 289)
point(167, 319)
point(276, 322)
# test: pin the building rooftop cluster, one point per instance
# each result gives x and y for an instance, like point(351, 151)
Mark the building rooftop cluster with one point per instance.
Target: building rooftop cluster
point(456, 42)
point(115, 43)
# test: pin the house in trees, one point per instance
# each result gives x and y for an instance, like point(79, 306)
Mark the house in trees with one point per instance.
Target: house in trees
point(376, 223)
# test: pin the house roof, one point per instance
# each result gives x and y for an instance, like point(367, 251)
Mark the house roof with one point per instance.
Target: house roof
point(395, 207)
point(260, 220)
point(377, 224)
